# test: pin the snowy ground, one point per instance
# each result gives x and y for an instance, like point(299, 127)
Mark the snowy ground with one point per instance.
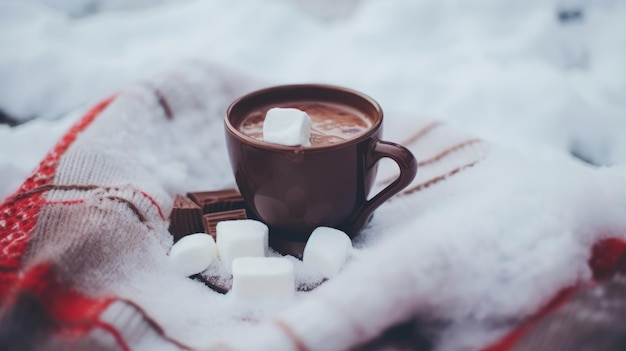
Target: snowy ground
point(508, 71)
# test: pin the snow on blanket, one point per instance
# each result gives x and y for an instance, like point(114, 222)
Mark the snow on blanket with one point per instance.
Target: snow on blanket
point(483, 238)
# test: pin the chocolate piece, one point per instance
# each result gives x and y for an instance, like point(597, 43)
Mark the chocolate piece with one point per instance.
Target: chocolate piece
point(214, 283)
point(185, 218)
point(210, 220)
point(219, 200)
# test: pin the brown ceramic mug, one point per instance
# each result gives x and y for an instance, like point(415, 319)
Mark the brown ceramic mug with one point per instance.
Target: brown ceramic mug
point(294, 189)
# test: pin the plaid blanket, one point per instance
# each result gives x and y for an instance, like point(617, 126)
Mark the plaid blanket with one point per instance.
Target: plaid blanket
point(84, 242)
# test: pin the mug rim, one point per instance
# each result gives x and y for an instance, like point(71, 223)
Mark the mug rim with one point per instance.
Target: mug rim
point(230, 128)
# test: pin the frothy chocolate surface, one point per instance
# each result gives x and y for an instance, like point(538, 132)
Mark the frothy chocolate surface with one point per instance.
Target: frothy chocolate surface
point(330, 123)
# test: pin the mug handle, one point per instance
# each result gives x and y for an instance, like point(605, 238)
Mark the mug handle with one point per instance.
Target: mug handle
point(408, 169)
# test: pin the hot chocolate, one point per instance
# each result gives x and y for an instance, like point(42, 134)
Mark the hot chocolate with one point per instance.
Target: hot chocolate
point(330, 123)
point(297, 189)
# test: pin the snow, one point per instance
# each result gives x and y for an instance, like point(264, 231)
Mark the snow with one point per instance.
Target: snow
point(549, 94)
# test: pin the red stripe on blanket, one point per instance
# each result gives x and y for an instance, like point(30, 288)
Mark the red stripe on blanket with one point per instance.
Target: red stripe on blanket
point(513, 337)
point(153, 201)
point(18, 215)
point(65, 202)
point(606, 256)
point(74, 314)
point(115, 334)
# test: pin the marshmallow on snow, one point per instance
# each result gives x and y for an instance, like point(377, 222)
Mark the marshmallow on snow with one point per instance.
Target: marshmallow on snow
point(326, 251)
point(192, 254)
point(263, 277)
point(241, 238)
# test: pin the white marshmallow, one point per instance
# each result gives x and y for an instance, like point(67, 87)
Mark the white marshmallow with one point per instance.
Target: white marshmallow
point(241, 238)
point(263, 277)
point(192, 254)
point(287, 126)
point(326, 251)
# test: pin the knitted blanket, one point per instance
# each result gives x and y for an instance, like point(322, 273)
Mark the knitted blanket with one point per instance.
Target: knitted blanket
point(476, 251)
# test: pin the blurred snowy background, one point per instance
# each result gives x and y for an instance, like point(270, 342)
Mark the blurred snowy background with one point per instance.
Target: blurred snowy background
point(540, 76)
